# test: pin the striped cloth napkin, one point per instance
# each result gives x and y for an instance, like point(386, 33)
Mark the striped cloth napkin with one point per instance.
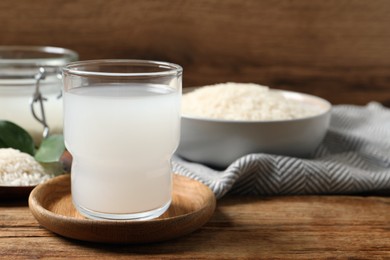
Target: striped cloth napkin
point(353, 157)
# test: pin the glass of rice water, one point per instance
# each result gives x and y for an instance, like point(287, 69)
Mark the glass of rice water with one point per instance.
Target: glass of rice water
point(121, 125)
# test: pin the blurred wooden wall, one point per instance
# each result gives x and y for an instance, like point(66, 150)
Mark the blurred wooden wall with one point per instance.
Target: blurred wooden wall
point(337, 49)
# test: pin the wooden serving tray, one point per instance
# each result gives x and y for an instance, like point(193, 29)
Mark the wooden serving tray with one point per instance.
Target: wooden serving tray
point(192, 205)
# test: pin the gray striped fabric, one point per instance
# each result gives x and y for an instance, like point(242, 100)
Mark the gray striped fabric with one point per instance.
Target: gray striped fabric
point(353, 157)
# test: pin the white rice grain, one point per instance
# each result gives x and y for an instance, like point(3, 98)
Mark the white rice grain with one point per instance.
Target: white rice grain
point(20, 169)
point(242, 101)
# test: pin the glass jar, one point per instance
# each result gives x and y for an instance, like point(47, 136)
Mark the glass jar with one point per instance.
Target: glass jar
point(30, 87)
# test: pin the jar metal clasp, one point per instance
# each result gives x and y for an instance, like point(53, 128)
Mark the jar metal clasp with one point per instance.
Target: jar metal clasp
point(38, 98)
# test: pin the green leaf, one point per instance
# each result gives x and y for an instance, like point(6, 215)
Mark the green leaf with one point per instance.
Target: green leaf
point(2, 144)
point(13, 136)
point(53, 168)
point(51, 149)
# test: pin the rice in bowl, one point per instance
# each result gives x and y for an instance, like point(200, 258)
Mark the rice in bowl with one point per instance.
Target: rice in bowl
point(243, 102)
point(227, 121)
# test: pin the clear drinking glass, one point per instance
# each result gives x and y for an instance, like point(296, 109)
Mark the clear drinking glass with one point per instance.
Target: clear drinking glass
point(122, 125)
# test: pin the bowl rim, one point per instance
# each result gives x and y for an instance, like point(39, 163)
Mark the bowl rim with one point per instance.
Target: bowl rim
point(327, 108)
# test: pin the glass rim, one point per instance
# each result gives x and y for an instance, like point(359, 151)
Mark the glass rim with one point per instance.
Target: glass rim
point(170, 68)
point(61, 56)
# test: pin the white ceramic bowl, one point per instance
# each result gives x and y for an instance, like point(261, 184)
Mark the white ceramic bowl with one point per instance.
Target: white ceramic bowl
point(220, 142)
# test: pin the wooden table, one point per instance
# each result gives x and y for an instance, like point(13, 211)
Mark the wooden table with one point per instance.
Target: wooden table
point(290, 227)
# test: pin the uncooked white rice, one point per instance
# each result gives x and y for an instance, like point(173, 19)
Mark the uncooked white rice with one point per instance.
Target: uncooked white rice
point(242, 101)
point(20, 169)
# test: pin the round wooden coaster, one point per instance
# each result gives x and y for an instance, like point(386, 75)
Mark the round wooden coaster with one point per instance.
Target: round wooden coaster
point(192, 205)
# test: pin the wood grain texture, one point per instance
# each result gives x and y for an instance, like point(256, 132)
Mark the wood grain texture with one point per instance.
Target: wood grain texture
point(338, 50)
point(192, 205)
point(295, 227)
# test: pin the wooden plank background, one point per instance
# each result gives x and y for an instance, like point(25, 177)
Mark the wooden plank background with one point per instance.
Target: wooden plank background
point(337, 49)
